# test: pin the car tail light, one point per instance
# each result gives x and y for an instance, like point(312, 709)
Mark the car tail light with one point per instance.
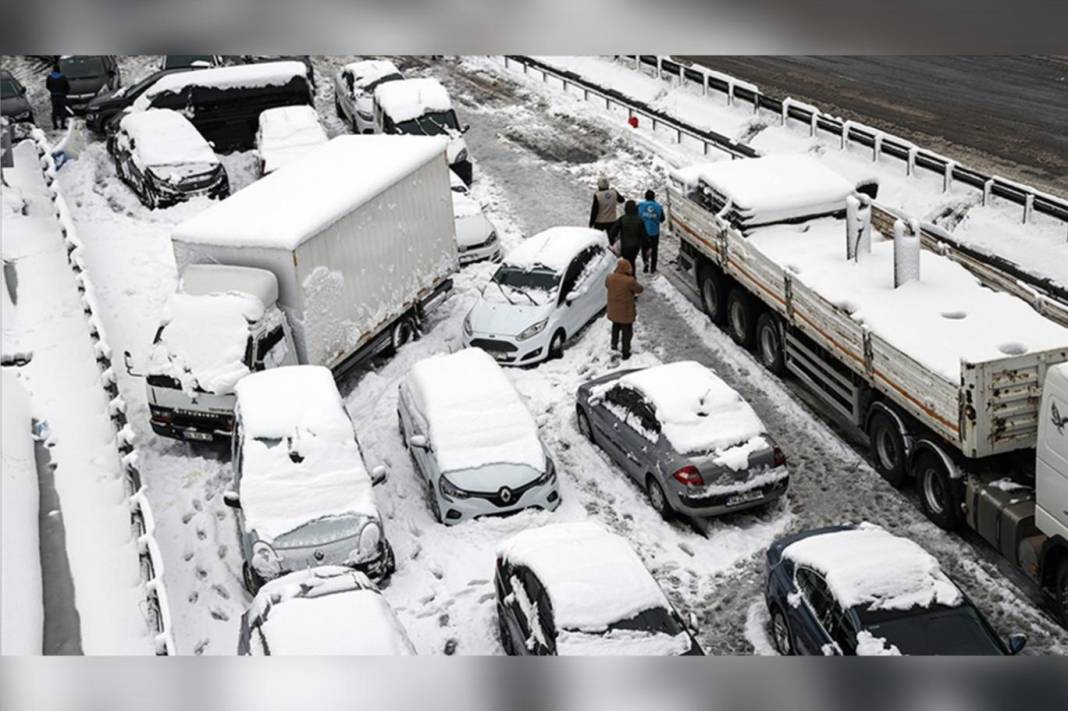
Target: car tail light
point(689, 476)
point(780, 458)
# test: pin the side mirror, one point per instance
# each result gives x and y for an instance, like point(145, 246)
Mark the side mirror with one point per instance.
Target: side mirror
point(126, 358)
point(691, 623)
point(465, 128)
point(379, 474)
point(1017, 642)
point(570, 298)
point(596, 401)
point(419, 441)
point(231, 499)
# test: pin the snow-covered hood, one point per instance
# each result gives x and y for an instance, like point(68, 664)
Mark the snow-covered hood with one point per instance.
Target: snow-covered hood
point(622, 643)
point(504, 319)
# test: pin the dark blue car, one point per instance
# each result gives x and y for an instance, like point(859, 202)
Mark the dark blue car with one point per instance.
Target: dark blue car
point(807, 616)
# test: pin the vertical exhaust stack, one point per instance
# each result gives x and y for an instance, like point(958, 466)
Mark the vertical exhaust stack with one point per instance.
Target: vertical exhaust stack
point(858, 227)
point(906, 253)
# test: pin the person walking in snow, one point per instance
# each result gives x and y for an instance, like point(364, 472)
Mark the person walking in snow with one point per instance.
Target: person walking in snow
point(58, 87)
point(652, 214)
point(622, 289)
point(603, 211)
point(632, 234)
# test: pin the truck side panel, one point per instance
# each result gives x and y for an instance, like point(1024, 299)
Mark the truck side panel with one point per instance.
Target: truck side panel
point(1051, 475)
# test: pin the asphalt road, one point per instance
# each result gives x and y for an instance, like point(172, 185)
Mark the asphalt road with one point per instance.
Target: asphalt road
point(1002, 114)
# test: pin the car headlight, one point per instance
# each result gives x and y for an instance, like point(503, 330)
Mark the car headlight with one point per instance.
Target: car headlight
point(461, 156)
point(549, 475)
point(450, 490)
point(534, 330)
point(265, 560)
point(491, 239)
point(370, 538)
point(467, 325)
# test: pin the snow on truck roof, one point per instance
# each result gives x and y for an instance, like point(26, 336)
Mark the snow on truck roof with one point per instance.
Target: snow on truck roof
point(407, 99)
point(593, 577)
point(240, 76)
point(554, 248)
point(285, 208)
point(370, 70)
point(165, 137)
point(870, 567)
point(475, 416)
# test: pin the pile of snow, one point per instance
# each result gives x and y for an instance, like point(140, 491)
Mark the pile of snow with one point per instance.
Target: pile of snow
point(164, 137)
point(204, 340)
point(554, 248)
point(476, 418)
point(870, 567)
point(21, 607)
point(244, 76)
point(868, 645)
point(285, 208)
point(300, 461)
point(944, 317)
point(287, 133)
point(408, 99)
point(368, 71)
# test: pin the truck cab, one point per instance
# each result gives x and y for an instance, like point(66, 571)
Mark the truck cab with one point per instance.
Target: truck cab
point(1051, 468)
point(222, 323)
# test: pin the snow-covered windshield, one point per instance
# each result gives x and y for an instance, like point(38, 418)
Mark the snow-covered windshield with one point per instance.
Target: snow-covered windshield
point(935, 630)
point(323, 531)
point(655, 631)
point(8, 89)
point(370, 88)
point(535, 286)
point(432, 123)
point(82, 67)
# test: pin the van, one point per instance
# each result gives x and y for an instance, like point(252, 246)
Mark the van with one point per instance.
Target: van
point(422, 107)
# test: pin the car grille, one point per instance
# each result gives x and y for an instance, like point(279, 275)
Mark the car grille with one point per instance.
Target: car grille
point(498, 500)
point(488, 344)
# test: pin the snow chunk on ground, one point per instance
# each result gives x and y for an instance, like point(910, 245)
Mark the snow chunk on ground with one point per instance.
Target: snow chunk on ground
point(868, 645)
point(871, 567)
point(407, 99)
point(165, 137)
point(476, 416)
point(235, 77)
point(286, 134)
point(554, 248)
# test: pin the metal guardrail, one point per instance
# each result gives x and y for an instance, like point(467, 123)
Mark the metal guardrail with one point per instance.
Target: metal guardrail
point(142, 521)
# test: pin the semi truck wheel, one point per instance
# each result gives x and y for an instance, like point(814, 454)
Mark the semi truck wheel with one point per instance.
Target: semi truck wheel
point(713, 286)
point(887, 448)
point(940, 495)
point(770, 343)
point(741, 317)
point(1062, 592)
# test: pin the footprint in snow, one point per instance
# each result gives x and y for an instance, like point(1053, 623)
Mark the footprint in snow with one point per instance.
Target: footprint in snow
point(427, 599)
point(450, 646)
point(436, 571)
point(188, 556)
point(193, 597)
point(477, 582)
point(201, 646)
point(222, 551)
point(186, 518)
point(201, 573)
point(415, 552)
point(221, 591)
point(202, 534)
point(219, 615)
point(443, 620)
point(686, 548)
point(197, 505)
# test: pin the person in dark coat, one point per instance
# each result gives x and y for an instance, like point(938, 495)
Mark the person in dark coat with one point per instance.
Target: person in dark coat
point(632, 234)
point(652, 214)
point(58, 87)
point(622, 289)
point(605, 200)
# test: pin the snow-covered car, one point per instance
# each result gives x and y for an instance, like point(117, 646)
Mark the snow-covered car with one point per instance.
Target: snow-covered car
point(422, 107)
point(14, 105)
point(354, 90)
point(685, 437)
point(845, 590)
point(104, 107)
point(322, 611)
point(576, 589)
point(476, 237)
point(286, 133)
point(302, 494)
point(473, 439)
point(545, 291)
point(163, 158)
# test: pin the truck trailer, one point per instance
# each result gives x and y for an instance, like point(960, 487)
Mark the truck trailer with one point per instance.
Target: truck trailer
point(326, 261)
point(960, 389)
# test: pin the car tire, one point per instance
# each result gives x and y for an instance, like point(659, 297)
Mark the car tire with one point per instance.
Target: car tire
point(337, 107)
point(556, 345)
point(940, 495)
point(769, 343)
point(403, 332)
point(583, 423)
point(713, 287)
point(502, 633)
point(741, 317)
point(252, 580)
point(435, 507)
point(782, 638)
point(657, 498)
point(1061, 592)
point(887, 449)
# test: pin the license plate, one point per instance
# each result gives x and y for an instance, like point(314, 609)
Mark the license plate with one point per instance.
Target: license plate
point(199, 436)
point(743, 498)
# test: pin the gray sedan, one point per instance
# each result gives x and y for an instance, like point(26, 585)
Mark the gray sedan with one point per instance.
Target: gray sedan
point(688, 440)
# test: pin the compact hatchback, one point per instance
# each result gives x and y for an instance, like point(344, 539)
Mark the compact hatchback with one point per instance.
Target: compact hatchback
point(354, 91)
point(476, 237)
point(473, 439)
point(163, 158)
point(576, 589)
point(286, 133)
point(861, 590)
point(302, 493)
point(321, 611)
point(545, 291)
point(686, 438)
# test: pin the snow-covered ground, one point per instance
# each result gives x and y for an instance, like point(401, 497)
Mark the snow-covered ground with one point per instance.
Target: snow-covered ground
point(537, 157)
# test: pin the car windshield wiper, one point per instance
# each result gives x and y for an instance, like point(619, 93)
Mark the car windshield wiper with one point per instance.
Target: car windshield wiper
point(500, 288)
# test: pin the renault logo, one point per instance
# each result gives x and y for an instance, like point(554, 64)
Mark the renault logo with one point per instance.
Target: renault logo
point(505, 494)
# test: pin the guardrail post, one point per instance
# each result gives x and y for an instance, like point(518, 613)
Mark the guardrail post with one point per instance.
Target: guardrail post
point(544, 75)
point(637, 62)
point(947, 177)
point(565, 85)
point(846, 125)
point(585, 94)
point(756, 103)
point(987, 187)
point(785, 111)
point(704, 84)
point(876, 147)
point(910, 164)
point(1029, 206)
point(813, 121)
point(678, 135)
point(526, 67)
point(654, 124)
point(659, 67)
point(706, 147)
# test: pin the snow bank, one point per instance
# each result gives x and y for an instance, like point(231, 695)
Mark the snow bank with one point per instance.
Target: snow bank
point(244, 76)
point(21, 604)
point(301, 462)
point(369, 71)
point(868, 566)
point(476, 418)
point(286, 134)
point(593, 577)
point(285, 208)
point(554, 248)
point(165, 137)
point(407, 99)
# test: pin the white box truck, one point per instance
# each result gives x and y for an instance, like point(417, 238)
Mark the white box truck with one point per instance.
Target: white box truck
point(960, 388)
point(325, 262)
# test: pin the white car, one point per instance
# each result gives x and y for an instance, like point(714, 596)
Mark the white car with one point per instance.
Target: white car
point(354, 89)
point(473, 439)
point(321, 611)
point(286, 133)
point(546, 290)
point(476, 237)
point(303, 494)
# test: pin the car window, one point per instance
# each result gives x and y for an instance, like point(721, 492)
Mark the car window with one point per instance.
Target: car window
point(818, 595)
point(579, 269)
point(842, 631)
point(272, 349)
point(347, 76)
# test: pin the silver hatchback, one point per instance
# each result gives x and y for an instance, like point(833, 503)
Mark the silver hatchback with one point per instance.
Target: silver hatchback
point(686, 438)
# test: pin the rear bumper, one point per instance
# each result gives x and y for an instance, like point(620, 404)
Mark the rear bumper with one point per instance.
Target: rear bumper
point(506, 350)
point(198, 427)
point(730, 501)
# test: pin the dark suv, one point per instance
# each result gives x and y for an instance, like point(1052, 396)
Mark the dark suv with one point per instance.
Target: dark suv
point(89, 75)
point(105, 106)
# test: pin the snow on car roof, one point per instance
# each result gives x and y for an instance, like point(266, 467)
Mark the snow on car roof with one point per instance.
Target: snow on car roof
point(369, 71)
point(407, 99)
point(554, 248)
point(942, 318)
point(165, 137)
point(323, 183)
point(463, 206)
point(697, 411)
point(287, 133)
point(593, 577)
point(870, 567)
point(475, 415)
point(301, 462)
point(241, 76)
point(201, 279)
point(328, 610)
point(772, 187)
point(204, 339)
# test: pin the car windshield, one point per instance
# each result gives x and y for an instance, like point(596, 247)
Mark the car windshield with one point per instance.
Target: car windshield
point(82, 67)
point(320, 532)
point(432, 123)
point(535, 286)
point(655, 620)
point(187, 60)
point(935, 630)
point(8, 88)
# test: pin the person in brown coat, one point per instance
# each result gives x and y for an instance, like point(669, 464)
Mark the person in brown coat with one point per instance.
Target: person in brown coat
point(622, 289)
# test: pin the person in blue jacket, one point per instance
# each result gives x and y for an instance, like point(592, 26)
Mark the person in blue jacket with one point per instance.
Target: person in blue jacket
point(652, 214)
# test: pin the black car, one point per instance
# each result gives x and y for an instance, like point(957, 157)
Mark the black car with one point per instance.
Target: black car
point(886, 596)
point(89, 75)
point(191, 61)
point(14, 105)
point(106, 106)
